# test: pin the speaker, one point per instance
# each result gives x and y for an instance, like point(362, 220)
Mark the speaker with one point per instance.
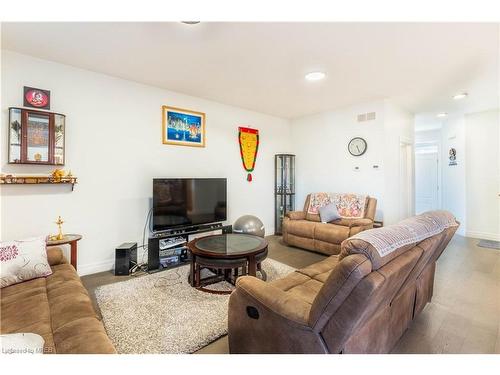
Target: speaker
point(125, 258)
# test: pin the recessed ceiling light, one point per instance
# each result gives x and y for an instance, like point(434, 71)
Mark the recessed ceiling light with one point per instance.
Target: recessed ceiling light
point(462, 95)
point(442, 114)
point(191, 22)
point(315, 76)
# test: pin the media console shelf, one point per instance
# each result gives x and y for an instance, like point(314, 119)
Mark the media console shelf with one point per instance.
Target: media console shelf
point(168, 249)
point(34, 180)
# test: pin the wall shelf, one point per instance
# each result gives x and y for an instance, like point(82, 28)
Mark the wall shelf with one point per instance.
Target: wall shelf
point(35, 180)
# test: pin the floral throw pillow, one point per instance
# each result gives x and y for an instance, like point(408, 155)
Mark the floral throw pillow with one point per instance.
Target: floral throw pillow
point(23, 260)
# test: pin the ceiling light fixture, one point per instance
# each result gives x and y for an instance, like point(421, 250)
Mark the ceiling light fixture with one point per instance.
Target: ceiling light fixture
point(315, 76)
point(442, 114)
point(462, 95)
point(190, 22)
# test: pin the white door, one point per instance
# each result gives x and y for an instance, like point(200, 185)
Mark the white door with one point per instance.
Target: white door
point(426, 181)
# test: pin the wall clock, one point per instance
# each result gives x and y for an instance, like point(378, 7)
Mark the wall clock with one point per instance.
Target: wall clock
point(357, 146)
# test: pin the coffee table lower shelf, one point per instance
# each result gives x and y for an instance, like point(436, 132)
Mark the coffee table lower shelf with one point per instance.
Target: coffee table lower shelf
point(229, 272)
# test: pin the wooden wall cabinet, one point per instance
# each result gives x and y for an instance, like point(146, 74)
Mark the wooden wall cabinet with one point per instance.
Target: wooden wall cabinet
point(36, 137)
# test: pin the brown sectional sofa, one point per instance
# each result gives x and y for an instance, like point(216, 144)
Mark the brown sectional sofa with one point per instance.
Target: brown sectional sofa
point(56, 307)
point(357, 302)
point(305, 230)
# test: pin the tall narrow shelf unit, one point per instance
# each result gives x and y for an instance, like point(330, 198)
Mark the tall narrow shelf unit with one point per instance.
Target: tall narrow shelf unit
point(284, 188)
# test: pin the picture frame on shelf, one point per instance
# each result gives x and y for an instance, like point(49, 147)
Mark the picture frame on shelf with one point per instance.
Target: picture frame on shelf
point(183, 127)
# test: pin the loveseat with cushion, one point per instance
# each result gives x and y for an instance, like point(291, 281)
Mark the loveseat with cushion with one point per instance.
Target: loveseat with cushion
point(56, 307)
point(305, 230)
point(357, 302)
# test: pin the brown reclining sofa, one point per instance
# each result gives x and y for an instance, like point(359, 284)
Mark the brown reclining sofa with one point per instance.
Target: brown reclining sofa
point(56, 307)
point(305, 230)
point(357, 302)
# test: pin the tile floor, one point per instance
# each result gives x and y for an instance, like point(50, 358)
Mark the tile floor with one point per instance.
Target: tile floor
point(463, 317)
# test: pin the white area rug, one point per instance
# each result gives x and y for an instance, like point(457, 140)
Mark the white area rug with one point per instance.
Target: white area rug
point(162, 313)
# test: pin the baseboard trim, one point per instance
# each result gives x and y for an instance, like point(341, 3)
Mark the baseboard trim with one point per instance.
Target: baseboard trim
point(90, 268)
point(483, 235)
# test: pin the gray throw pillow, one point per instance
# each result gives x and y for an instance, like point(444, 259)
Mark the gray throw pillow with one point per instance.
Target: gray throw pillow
point(329, 213)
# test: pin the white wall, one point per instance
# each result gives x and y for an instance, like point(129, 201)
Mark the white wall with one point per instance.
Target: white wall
point(470, 188)
point(324, 163)
point(113, 145)
point(428, 136)
point(482, 182)
point(398, 128)
point(453, 176)
point(2, 132)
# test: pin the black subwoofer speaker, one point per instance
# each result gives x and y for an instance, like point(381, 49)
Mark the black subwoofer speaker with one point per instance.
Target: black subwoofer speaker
point(125, 258)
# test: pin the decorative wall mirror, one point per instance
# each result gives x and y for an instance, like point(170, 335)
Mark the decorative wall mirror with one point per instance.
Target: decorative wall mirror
point(36, 137)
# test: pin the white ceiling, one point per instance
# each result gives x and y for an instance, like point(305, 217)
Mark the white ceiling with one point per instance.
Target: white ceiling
point(261, 66)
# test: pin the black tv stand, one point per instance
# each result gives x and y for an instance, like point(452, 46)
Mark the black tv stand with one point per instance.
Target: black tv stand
point(187, 229)
point(168, 248)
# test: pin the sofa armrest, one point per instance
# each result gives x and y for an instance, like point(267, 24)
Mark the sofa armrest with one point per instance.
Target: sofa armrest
point(296, 215)
point(55, 256)
point(275, 299)
point(353, 222)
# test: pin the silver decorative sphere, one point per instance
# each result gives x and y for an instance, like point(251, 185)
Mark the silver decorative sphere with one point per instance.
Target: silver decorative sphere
point(249, 224)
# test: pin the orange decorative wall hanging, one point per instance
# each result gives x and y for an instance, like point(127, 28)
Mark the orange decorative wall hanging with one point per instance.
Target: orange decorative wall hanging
point(249, 145)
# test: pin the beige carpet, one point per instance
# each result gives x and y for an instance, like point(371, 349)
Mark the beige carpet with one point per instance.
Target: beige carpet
point(162, 313)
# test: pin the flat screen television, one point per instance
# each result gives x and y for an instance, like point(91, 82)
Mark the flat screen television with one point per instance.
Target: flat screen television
point(183, 202)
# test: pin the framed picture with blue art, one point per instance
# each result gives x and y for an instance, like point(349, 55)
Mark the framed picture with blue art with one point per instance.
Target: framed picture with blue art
point(183, 127)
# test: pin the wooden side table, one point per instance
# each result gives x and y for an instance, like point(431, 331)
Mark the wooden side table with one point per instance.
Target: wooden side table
point(70, 239)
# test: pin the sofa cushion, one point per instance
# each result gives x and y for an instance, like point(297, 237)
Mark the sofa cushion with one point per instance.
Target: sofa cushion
point(342, 279)
point(23, 260)
point(299, 285)
point(321, 269)
point(22, 314)
point(25, 308)
point(59, 309)
point(326, 248)
point(289, 281)
point(68, 299)
point(63, 273)
point(296, 215)
point(26, 288)
point(313, 217)
point(83, 336)
point(330, 232)
point(301, 228)
point(352, 222)
point(306, 291)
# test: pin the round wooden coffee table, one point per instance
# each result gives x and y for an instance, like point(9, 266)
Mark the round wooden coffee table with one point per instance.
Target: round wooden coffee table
point(225, 254)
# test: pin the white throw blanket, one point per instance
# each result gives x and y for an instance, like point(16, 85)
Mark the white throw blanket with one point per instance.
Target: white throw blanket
point(409, 231)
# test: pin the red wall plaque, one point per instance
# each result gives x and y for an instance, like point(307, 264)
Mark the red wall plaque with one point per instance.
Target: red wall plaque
point(36, 98)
